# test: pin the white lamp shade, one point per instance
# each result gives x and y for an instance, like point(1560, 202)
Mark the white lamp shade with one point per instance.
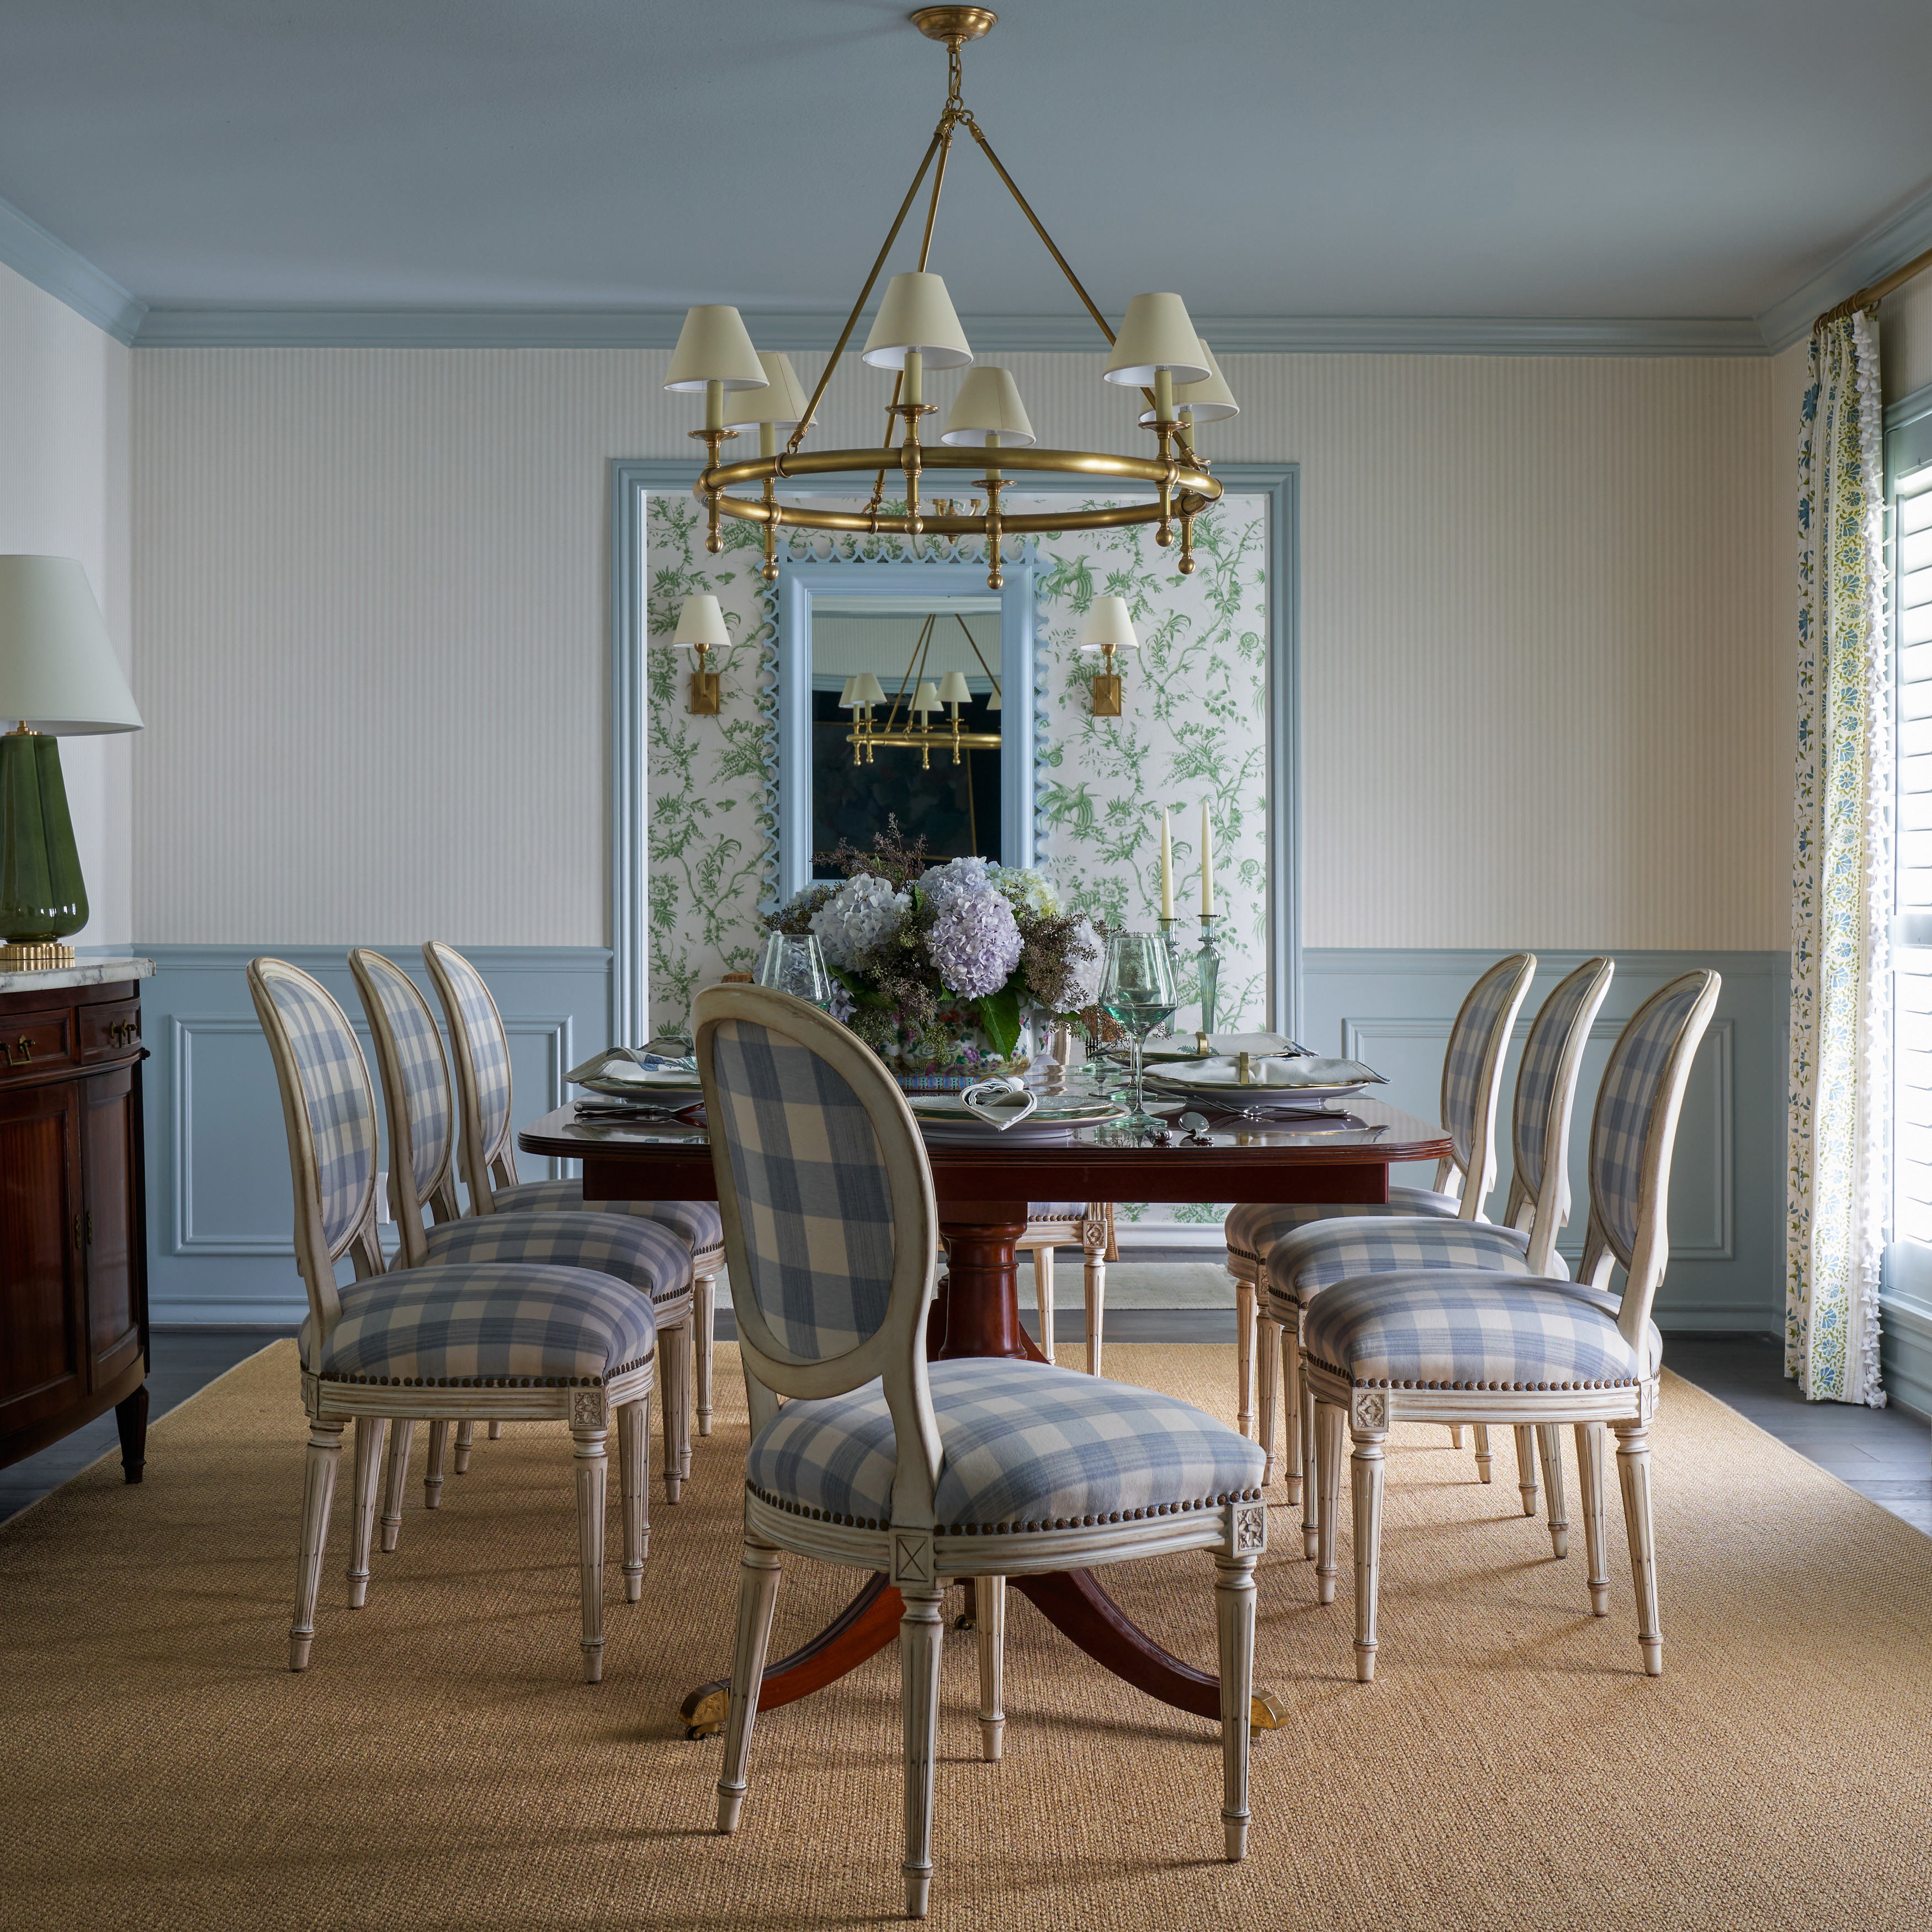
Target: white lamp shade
point(866, 689)
point(917, 313)
point(58, 672)
point(780, 403)
point(1156, 335)
point(845, 696)
point(1211, 401)
point(1109, 622)
point(925, 699)
point(952, 689)
point(989, 404)
point(701, 622)
point(993, 703)
point(713, 347)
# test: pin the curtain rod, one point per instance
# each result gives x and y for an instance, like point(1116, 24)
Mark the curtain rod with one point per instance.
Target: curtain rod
point(1871, 297)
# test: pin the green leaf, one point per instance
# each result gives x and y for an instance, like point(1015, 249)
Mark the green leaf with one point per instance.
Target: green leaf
point(999, 1019)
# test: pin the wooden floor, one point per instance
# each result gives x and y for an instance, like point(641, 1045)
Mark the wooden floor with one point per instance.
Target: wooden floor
point(1883, 1453)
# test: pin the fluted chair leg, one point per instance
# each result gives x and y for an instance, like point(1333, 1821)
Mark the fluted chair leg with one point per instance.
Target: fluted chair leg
point(1368, 1469)
point(633, 1490)
point(325, 1452)
point(1549, 1448)
point(402, 1439)
point(1234, 1626)
point(592, 1464)
point(1525, 1466)
point(1485, 1462)
point(496, 1432)
point(989, 1617)
point(1590, 1475)
point(707, 1300)
point(1328, 1424)
point(674, 1409)
point(1267, 1366)
point(1311, 1490)
point(1043, 1295)
point(466, 1441)
point(1093, 1292)
point(1245, 1338)
point(1633, 1469)
point(919, 1672)
point(439, 1445)
point(757, 1595)
point(370, 1431)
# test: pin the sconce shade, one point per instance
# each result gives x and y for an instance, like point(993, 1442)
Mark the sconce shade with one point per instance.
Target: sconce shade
point(917, 313)
point(1156, 335)
point(866, 689)
point(845, 698)
point(701, 622)
point(989, 404)
point(1211, 401)
point(925, 699)
point(952, 688)
point(713, 347)
point(780, 402)
point(58, 673)
point(1108, 622)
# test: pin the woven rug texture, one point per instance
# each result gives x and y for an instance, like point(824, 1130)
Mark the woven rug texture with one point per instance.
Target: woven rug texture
point(442, 1766)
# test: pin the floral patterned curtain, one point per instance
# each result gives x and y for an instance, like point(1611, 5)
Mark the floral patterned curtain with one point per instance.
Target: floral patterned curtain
point(1839, 1174)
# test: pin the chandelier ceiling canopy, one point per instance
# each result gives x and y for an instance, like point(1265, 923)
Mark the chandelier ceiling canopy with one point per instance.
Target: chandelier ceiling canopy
point(916, 329)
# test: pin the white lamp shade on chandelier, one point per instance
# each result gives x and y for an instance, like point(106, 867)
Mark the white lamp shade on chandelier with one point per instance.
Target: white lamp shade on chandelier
point(701, 622)
point(952, 688)
point(925, 699)
point(988, 407)
point(58, 674)
point(1156, 335)
point(866, 689)
point(780, 402)
point(713, 347)
point(1109, 622)
point(1211, 401)
point(917, 314)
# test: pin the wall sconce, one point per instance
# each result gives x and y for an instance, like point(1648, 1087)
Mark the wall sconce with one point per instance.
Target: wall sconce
point(1109, 628)
point(701, 625)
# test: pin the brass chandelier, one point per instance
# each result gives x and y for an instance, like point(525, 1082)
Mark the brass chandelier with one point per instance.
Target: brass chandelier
point(921, 698)
point(917, 330)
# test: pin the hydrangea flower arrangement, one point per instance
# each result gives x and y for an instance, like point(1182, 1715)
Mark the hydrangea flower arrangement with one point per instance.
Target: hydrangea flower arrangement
point(924, 955)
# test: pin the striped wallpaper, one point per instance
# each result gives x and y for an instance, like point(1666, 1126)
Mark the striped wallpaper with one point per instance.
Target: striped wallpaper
point(1544, 675)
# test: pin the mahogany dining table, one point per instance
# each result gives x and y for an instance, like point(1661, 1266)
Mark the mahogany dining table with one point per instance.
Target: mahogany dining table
point(983, 1190)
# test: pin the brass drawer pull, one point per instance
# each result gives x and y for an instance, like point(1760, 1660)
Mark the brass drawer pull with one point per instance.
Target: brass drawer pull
point(22, 1047)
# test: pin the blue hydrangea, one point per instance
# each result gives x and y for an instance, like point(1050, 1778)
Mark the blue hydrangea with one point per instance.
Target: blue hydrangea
point(939, 886)
point(975, 941)
point(862, 913)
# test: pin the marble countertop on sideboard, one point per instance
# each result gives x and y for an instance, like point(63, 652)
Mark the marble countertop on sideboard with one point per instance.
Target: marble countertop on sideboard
point(96, 972)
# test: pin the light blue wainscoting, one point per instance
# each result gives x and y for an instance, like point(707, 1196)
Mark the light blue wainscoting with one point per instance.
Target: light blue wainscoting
point(1394, 1009)
point(220, 1220)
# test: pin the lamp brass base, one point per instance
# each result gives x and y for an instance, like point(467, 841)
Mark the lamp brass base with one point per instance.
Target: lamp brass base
point(706, 695)
point(1107, 695)
point(29, 955)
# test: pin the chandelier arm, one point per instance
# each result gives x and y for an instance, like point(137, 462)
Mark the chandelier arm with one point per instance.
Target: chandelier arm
point(938, 183)
point(858, 307)
point(753, 470)
point(856, 522)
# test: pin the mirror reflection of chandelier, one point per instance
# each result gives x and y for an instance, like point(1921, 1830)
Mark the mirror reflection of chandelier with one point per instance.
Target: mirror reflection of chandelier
point(917, 330)
point(951, 695)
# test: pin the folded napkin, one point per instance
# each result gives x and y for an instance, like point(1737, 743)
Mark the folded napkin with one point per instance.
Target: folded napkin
point(978, 1099)
point(637, 1065)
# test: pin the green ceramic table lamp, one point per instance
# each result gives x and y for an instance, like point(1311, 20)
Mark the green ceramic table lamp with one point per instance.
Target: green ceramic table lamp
point(59, 678)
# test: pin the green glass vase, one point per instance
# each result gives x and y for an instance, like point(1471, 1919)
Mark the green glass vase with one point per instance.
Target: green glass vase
point(42, 897)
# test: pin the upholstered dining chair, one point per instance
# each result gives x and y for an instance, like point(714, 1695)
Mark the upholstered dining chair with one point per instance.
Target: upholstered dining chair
point(435, 1343)
point(1472, 1073)
point(1465, 1345)
point(420, 1110)
point(1312, 1257)
point(479, 1046)
point(1088, 1226)
point(882, 1461)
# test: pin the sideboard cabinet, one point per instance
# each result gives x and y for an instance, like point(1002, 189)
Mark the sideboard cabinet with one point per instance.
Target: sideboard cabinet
point(74, 1303)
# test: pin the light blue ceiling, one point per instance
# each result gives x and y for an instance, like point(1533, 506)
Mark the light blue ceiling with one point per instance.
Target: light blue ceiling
point(1556, 158)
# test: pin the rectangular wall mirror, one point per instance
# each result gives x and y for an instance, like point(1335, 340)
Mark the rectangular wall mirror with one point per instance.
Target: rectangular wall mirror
point(948, 659)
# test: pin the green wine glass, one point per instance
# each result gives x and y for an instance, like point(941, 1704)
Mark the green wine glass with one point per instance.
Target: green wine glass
point(1137, 990)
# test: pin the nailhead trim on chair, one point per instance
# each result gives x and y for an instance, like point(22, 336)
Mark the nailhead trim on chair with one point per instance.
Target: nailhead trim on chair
point(487, 1382)
point(1628, 1381)
point(1009, 1528)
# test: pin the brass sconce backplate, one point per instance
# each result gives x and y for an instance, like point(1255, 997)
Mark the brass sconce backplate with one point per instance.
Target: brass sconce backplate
point(706, 699)
point(1107, 695)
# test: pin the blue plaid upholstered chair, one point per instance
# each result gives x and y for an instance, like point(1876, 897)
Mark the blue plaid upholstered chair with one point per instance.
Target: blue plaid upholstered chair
point(881, 1462)
point(420, 1108)
point(480, 1046)
point(1467, 1345)
point(436, 1344)
point(1472, 1073)
point(1311, 1258)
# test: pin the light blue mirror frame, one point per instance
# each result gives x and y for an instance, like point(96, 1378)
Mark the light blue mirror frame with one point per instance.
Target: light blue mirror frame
point(798, 584)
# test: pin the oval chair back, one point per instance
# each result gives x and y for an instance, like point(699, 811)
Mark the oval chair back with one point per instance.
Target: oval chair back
point(479, 1044)
point(1631, 1137)
point(1472, 1077)
point(419, 1104)
point(329, 1107)
point(1546, 1097)
point(830, 1223)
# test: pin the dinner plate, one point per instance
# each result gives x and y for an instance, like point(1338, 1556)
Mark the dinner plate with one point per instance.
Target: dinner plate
point(1304, 1077)
point(660, 1090)
point(1063, 1110)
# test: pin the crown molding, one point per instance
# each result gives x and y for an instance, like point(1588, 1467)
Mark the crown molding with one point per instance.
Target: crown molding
point(412, 328)
point(50, 264)
point(1887, 245)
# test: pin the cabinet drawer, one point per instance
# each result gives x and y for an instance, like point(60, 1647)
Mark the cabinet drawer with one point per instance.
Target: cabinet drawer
point(110, 1029)
point(29, 1041)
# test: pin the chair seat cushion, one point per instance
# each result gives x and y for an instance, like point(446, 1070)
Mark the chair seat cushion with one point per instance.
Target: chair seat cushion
point(1467, 1328)
point(1251, 1231)
point(1312, 1258)
point(487, 1327)
point(1024, 1447)
point(1056, 1211)
point(698, 1221)
point(643, 1255)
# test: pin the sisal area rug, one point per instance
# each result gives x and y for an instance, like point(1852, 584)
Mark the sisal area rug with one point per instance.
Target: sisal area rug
point(441, 1765)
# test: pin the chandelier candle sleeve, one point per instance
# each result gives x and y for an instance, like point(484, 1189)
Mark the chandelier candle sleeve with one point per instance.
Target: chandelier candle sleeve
point(1206, 863)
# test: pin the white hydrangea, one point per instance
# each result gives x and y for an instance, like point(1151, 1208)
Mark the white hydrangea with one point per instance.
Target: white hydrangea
point(864, 912)
point(1026, 890)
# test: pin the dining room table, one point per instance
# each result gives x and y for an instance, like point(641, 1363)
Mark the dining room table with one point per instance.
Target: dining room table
point(983, 1186)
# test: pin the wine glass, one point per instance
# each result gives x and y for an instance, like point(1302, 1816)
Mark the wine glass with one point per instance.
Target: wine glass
point(1137, 991)
point(793, 964)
